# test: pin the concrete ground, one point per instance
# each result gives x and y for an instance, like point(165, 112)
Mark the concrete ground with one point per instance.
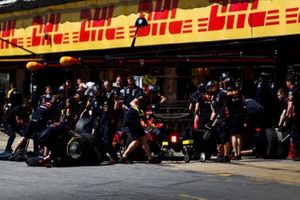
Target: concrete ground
point(280, 171)
point(283, 171)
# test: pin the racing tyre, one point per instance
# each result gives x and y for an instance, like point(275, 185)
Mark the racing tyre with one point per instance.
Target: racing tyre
point(75, 149)
point(271, 143)
point(84, 151)
point(276, 148)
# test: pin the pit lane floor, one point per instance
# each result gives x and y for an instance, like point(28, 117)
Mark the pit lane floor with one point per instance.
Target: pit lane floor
point(249, 178)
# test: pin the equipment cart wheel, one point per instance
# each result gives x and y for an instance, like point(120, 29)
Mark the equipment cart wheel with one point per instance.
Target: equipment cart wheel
point(202, 157)
point(186, 155)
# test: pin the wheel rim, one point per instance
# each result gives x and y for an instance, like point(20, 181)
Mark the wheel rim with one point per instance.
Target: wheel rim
point(75, 150)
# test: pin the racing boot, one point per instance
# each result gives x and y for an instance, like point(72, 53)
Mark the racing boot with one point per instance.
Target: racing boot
point(154, 160)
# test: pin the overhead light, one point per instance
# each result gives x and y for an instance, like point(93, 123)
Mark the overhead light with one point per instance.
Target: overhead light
point(139, 23)
point(34, 66)
point(68, 60)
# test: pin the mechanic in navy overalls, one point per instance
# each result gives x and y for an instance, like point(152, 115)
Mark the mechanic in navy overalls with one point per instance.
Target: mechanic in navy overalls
point(218, 105)
point(236, 114)
point(132, 120)
point(130, 92)
point(107, 119)
point(39, 120)
point(293, 114)
point(202, 112)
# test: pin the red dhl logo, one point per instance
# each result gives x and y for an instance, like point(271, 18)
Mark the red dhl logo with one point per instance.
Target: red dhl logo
point(235, 14)
point(96, 23)
point(43, 27)
point(95, 26)
point(159, 13)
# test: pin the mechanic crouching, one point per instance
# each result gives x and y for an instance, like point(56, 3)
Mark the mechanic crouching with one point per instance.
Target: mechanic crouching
point(39, 120)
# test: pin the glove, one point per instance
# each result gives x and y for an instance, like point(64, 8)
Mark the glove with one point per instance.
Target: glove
point(141, 113)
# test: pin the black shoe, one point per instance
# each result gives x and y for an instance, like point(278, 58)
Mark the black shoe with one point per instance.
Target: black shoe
point(296, 158)
point(124, 160)
point(35, 161)
point(4, 155)
point(154, 160)
point(47, 163)
point(226, 159)
point(112, 162)
point(220, 158)
point(239, 157)
point(233, 157)
point(9, 150)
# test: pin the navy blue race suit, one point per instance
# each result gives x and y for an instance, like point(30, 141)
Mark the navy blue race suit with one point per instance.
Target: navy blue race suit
point(218, 103)
point(107, 122)
point(294, 96)
point(130, 93)
point(133, 116)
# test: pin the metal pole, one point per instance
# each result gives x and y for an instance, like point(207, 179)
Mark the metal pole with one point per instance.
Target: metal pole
point(134, 38)
point(33, 91)
point(15, 45)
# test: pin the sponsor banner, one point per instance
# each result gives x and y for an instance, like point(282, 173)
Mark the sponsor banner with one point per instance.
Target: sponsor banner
point(104, 24)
